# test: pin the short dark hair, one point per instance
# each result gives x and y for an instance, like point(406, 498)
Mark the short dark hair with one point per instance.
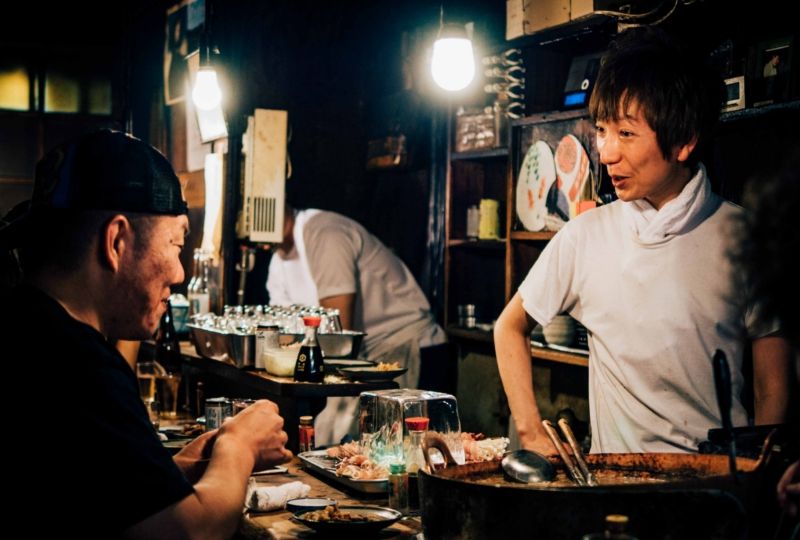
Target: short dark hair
point(679, 94)
point(59, 239)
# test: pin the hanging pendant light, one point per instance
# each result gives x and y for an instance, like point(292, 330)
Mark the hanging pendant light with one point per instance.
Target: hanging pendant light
point(206, 94)
point(453, 61)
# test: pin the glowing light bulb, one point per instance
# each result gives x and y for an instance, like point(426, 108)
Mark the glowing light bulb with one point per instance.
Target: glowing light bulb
point(206, 93)
point(453, 63)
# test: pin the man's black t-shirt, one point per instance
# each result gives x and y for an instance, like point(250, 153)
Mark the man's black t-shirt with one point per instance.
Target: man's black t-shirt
point(88, 460)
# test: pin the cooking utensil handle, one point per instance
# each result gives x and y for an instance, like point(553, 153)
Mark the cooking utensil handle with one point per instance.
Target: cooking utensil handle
point(576, 451)
point(434, 440)
point(573, 471)
point(722, 383)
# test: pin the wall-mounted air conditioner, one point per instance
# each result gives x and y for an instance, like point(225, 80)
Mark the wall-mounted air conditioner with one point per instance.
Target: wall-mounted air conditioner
point(264, 182)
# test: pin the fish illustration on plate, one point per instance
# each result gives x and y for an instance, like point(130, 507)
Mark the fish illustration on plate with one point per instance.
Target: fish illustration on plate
point(536, 176)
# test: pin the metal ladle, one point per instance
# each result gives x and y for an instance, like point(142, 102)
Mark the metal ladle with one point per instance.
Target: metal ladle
point(527, 466)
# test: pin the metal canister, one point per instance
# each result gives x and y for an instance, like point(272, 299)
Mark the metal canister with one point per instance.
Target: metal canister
point(217, 410)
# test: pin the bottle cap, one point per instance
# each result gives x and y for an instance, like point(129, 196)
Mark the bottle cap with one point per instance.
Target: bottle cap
point(311, 321)
point(306, 419)
point(416, 423)
point(397, 468)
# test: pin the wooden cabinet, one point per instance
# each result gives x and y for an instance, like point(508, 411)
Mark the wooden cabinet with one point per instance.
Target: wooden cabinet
point(487, 273)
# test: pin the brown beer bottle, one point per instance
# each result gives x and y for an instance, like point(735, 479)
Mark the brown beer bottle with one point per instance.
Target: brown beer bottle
point(310, 365)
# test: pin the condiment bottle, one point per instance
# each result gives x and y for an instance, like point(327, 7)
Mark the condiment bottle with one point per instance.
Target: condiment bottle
point(310, 365)
point(615, 529)
point(306, 434)
point(415, 459)
point(398, 487)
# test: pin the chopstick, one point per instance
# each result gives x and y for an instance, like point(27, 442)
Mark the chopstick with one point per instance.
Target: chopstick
point(573, 470)
point(576, 450)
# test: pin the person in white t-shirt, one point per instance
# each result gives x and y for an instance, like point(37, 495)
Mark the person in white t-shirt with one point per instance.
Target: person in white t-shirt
point(331, 260)
point(647, 275)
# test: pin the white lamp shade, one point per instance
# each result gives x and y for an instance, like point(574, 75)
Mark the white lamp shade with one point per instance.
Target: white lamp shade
point(206, 93)
point(453, 64)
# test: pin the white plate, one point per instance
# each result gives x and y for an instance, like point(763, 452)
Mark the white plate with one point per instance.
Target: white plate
point(572, 169)
point(536, 175)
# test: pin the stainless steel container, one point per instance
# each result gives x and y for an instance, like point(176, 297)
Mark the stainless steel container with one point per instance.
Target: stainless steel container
point(344, 344)
point(232, 348)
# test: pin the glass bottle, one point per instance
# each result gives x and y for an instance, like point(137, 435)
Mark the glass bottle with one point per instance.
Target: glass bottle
point(195, 272)
point(168, 356)
point(615, 529)
point(199, 297)
point(306, 434)
point(310, 365)
point(415, 459)
point(168, 349)
point(398, 487)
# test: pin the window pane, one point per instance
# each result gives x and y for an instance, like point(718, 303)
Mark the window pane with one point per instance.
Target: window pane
point(61, 93)
point(100, 96)
point(14, 88)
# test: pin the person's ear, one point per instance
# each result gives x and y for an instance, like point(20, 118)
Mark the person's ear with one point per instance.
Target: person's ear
point(685, 150)
point(117, 237)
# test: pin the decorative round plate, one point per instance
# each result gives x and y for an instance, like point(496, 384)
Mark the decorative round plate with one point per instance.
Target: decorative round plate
point(572, 169)
point(537, 174)
point(372, 519)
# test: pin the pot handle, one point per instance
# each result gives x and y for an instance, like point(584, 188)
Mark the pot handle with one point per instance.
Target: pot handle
point(434, 440)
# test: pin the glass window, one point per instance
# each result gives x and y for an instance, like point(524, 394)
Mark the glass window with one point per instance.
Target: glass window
point(99, 96)
point(62, 93)
point(15, 88)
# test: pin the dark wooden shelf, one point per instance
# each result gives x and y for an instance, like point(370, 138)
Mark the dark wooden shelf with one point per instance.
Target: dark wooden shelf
point(477, 244)
point(473, 334)
point(537, 353)
point(544, 353)
point(480, 154)
point(755, 112)
point(528, 235)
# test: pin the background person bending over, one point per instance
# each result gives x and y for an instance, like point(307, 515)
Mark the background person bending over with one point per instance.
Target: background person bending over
point(330, 260)
point(99, 251)
point(647, 275)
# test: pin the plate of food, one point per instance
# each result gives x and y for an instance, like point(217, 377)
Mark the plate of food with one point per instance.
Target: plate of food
point(381, 371)
point(339, 363)
point(348, 519)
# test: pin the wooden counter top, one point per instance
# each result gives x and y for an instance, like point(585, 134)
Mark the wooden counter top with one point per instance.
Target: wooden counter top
point(278, 524)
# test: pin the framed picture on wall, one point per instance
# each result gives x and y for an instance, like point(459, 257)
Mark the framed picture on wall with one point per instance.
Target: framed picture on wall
point(772, 71)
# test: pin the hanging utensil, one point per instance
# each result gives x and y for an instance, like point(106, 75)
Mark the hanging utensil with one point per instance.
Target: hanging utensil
point(722, 383)
point(528, 467)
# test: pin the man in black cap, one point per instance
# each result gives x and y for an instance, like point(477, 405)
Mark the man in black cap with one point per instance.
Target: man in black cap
point(99, 248)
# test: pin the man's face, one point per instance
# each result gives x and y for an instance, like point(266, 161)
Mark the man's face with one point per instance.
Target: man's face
point(147, 273)
point(629, 150)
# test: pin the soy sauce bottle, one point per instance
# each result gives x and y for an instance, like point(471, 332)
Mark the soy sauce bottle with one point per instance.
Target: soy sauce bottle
point(310, 366)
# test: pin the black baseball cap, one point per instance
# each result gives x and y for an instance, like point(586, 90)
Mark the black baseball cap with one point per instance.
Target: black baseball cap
point(102, 170)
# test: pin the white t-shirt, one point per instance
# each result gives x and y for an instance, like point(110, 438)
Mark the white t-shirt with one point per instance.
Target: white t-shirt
point(342, 257)
point(655, 313)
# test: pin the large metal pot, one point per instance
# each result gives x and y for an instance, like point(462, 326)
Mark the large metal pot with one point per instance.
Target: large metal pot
point(666, 496)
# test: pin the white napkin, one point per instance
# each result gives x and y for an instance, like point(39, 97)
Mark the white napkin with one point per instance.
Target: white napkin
point(268, 498)
point(683, 213)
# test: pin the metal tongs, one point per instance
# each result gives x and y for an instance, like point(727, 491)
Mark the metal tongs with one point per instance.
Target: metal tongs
point(578, 469)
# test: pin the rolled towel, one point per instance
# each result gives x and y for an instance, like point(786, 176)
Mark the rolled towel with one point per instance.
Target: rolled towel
point(266, 498)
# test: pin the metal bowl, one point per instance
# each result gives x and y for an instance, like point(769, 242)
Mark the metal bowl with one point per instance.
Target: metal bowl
point(340, 345)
